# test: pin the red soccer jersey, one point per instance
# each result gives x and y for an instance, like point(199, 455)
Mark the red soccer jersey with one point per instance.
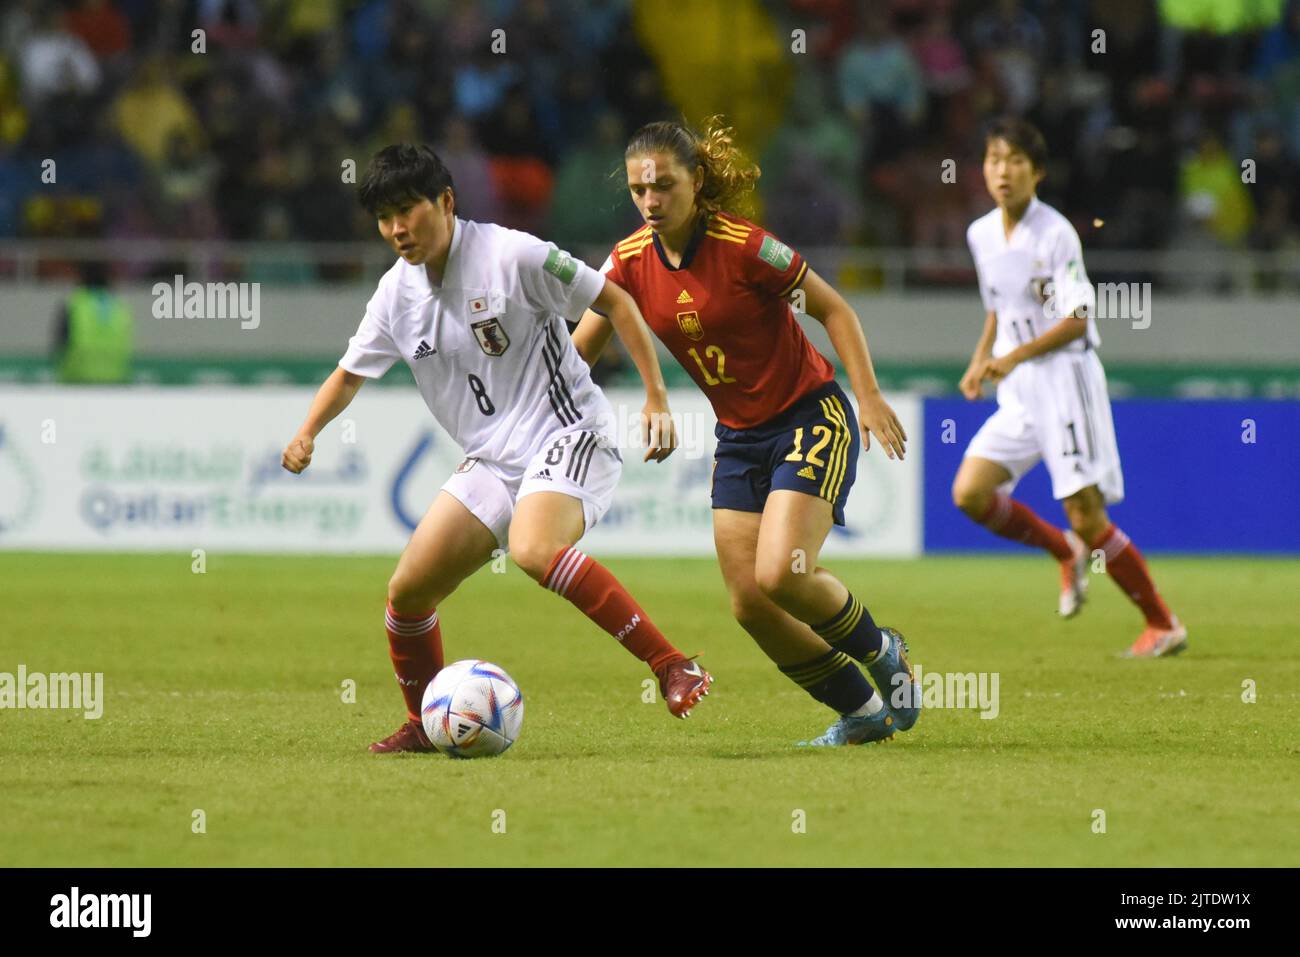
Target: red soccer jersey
point(723, 315)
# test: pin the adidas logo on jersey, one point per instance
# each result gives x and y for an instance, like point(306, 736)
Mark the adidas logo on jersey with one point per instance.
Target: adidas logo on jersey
point(543, 474)
point(424, 351)
point(684, 297)
point(807, 472)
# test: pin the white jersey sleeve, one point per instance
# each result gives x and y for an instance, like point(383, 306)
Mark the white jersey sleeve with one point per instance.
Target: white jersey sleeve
point(985, 297)
point(371, 351)
point(552, 281)
point(1070, 286)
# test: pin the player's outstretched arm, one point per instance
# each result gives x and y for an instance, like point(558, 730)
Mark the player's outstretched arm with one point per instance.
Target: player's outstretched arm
point(845, 329)
point(592, 335)
point(626, 320)
point(331, 399)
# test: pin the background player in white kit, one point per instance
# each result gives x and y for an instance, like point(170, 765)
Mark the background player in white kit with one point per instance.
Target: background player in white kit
point(1040, 346)
point(478, 313)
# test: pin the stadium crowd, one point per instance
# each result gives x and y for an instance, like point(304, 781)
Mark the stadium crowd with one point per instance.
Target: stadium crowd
point(242, 131)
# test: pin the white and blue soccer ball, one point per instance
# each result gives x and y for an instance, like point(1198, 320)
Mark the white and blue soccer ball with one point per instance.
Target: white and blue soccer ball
point(472, 709)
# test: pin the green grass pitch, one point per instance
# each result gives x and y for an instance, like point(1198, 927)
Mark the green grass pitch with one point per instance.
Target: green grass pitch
point(223, 693)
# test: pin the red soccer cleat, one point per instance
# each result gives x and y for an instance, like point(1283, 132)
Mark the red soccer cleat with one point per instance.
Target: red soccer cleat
point(1159, 642)
point(683, 683)
point(409, 737)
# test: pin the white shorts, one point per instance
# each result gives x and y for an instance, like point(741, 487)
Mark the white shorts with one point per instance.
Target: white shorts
point(1056, 409)
point(580, 463)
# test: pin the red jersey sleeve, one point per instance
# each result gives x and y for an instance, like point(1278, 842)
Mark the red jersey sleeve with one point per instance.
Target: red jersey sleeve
point(771, 265)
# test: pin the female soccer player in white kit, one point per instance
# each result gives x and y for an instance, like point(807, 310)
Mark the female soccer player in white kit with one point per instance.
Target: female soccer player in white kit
point(478, 313)
point(1039, 346)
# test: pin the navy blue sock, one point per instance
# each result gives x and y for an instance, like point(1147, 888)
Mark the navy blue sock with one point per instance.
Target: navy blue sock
point(834, 680)
point(852, 631)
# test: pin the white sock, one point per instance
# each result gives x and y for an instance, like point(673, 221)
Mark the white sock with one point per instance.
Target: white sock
point(873, 706)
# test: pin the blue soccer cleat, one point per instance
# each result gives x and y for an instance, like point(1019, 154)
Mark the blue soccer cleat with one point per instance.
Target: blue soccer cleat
point(892, 673)
point(856, 729)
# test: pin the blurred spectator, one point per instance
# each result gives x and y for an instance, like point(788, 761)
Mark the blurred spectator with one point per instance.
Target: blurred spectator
point(881, 87)
point(1017, 42)
point(940, 56)
point(13, 118)
point(232, 24)
point(1277, 188)
point(93, 332)
point(590, 204)
point(150, 110)
point(55, 62)
point(809, 172)
point(1213, 194)
point(185, 182)
point(1280, 45)
point(476, 193)
point(100, 26)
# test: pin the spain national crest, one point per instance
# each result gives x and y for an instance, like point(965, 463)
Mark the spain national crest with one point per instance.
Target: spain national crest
point(491, 337)
point(689, 323)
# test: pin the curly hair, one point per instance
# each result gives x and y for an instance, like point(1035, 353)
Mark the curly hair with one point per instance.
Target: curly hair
point(729, 175)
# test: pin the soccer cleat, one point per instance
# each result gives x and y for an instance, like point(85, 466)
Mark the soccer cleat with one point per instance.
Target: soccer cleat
point(683, 683)
point(1074, 577)
point(1159, 642)
point(856, 729)
point(901, 694)
point(409, 737)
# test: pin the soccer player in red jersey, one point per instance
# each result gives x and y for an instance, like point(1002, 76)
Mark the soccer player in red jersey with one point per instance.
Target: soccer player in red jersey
point(716, 289)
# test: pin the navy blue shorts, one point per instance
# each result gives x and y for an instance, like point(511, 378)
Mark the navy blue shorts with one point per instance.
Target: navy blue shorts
point(811, 447)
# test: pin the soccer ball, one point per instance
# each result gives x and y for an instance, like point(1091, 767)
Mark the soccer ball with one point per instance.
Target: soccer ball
point(472, 709)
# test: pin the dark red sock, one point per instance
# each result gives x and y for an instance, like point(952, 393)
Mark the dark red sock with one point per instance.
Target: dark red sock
point(1020, 523)
point(1128, 570)
point(599, 596)
point(415, 645)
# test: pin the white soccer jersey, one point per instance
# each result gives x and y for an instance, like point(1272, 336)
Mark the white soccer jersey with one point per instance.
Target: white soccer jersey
point(1033, 279)
point(1053, 408)
point(489, 347)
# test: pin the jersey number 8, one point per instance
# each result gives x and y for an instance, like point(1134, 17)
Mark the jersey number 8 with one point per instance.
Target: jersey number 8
point(480, 395)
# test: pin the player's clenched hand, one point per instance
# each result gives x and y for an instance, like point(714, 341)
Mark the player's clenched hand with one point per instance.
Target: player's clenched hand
point(658, 431)
point(997, 369)
point(970, 383)
point(878, 419)
point(297, 455)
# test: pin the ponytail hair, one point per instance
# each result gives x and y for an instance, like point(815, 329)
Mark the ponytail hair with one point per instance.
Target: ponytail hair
point(729, 175)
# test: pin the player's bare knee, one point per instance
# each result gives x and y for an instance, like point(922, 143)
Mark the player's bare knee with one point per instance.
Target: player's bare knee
point(1088, 525)
point(779, 581)
point(405, 598)
point(1086, 511)
point(534, 556)
point(749, 607)
point(971, 499)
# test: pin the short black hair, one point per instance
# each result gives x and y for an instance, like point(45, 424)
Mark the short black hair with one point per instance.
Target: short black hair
point(400, 173)
point(1021, 134)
